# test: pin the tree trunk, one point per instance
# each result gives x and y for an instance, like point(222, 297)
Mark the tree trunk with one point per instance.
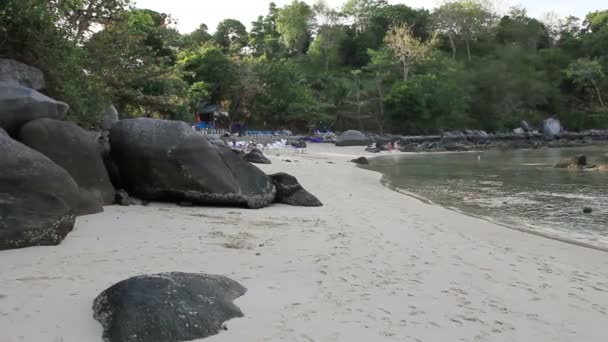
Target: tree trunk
point(406, 71)
point(359, 107)
point(381, 105)
point(599, 93)
point(452, 45)
point(468, 50)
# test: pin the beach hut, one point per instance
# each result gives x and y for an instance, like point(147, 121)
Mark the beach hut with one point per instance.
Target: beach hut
point(209, 116)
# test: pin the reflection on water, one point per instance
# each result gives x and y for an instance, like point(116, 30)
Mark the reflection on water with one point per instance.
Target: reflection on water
point(519, 188)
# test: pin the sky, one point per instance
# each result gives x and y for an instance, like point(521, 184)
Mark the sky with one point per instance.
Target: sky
point(191, 13)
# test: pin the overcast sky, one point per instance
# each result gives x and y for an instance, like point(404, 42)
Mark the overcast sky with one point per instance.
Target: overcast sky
point(191, 13)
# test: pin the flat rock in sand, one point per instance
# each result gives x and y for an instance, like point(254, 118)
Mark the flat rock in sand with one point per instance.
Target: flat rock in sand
point(167, 307)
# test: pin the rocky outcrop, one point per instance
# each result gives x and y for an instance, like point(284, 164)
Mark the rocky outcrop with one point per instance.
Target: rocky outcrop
point(257, 157)
point(32, 219)
point(163, 160)
point(352, 138)
point(76, 151)
point(289, 191)
point(360, 161)
point(19, 105)
point(109, 118)
point(167, 307)
point(552, 128)
point(23, 169)
point(16, 73)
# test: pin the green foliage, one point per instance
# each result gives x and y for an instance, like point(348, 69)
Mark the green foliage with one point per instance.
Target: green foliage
point(427, 102)
point(302, 65)
point(294, 23)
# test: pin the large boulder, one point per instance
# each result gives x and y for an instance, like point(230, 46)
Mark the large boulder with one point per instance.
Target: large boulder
point(32, 219)
point(109, 118)
point(19, 74)
point(257, 157)
point(167, 307)
point(352, 138)
point(163, 160)
point(552, 128)
point(23, 169)
point(75, 150)
point(19, 105)
point(289, 191)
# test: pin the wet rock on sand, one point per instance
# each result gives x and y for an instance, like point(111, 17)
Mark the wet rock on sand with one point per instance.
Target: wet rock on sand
point(289, 191)
point(167, 307)
point(167, 161)
point(361, 161)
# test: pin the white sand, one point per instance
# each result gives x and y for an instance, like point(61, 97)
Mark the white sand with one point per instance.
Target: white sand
point(371, 265)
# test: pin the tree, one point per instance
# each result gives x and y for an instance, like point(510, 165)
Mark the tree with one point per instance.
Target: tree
point(134, 57)
point(517, 28)
point(294, 23)
point(198, 37)
point(327, 20)
point(407, 48)
point(463, 19)
point(361, 11)
point(232, 35)
point(588, 72)
point(381, 65)
point(264, 38)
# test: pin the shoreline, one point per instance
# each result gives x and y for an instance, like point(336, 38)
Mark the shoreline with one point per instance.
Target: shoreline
point(371, 265)
point(550, 236)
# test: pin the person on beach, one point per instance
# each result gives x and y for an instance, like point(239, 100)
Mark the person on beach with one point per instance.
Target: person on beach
point(389, 147)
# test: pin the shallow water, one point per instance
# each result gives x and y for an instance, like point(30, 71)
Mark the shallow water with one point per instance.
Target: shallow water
point(519, 188)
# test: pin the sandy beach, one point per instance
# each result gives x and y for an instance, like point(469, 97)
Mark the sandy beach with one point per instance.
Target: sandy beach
point(371, 265)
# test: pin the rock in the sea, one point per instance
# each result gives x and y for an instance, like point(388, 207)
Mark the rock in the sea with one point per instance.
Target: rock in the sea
point(23, 169)
point(32, 219)
point(552, 128)
point(257, 157)
point(163, 160)
point(360, 160)
point(576, 162)
point(109, 118)
point(352, 138)
point(289, 191)
point(372, 150)
point(519, 131)
point(167, 307)
point(16, 73)
point(525, 126)
point(75, 150)
point(587, 210)
point(19, 105)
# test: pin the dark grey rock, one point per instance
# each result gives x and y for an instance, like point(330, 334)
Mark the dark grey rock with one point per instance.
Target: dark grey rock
point(552, 128)
point(16, 73)
point(109, 118)
point(32, 219)
point(372, 150)
point(23, 169)
point(525, 126)
point(122, 198)
point(167, 307)
point(163, 160)
point(587, 210)
point(289, 191)
point(257, 157)
point(75, 150)
point(297, 144)
point(19, 105)
point(360, 160)
point(352, 138)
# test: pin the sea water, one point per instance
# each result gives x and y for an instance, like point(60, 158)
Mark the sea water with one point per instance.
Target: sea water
point(520, 189)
